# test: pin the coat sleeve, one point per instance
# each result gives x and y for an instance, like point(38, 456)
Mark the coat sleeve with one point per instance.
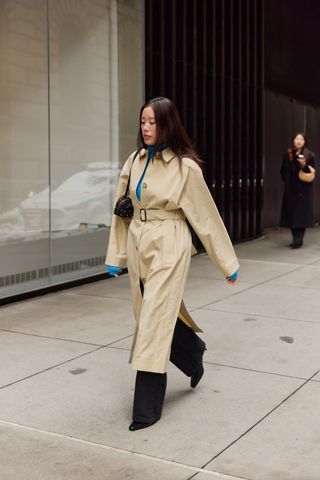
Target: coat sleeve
point(202, 213)
point(312, 160)
point(117, 247)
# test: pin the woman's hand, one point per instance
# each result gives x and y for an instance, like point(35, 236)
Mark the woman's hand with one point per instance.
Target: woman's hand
point(301, 160)
point(232, 278)
point(113, 271)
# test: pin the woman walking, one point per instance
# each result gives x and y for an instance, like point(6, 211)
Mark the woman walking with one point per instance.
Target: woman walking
point(167, 188)
point(297, 204)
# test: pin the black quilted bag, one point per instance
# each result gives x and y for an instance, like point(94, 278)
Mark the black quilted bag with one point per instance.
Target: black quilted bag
point(124, 207)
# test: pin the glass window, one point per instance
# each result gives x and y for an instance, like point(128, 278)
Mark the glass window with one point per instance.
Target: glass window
point(24, 146)
point(70, 89)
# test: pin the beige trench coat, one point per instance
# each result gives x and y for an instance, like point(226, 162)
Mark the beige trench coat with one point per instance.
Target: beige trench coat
point(159, 251)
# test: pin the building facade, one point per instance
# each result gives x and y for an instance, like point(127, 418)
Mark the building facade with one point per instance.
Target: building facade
point(73, 75)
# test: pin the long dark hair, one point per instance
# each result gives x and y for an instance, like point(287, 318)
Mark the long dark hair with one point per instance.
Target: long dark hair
point(304, 149)
point(170, 130)
point(303, 135)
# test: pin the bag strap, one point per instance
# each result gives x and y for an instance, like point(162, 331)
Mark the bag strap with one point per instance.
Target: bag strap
point(135, 156)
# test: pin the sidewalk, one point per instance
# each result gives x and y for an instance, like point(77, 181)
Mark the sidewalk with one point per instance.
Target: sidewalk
point(66, 388)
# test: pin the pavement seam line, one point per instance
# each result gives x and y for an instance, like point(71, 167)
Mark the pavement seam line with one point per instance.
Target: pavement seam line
point(69, 340)
point(254, 260)
point(49, 368)
point(263, 418)
point(120, 348)
point(276, 317)
point(254, 314)
point(111, 297)
point(37, 335)
point(220, 475)
point(118, 340)
point(251, 286)
point(207, 277)
point(119, 450)
point(254, 370)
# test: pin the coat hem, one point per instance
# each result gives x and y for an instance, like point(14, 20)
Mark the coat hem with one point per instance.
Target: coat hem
point(141, 366)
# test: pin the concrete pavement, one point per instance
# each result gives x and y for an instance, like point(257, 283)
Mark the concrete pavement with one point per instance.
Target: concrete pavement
point(66, 388)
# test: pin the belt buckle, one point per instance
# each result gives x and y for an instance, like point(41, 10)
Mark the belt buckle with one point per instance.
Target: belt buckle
point(144, 217)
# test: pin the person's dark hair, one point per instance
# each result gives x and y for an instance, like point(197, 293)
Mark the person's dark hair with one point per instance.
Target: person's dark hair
point(302, 135)
point(170, 130)
point(304, 150)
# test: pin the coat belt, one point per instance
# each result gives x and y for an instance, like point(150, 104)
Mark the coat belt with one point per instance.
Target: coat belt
point(146, 214)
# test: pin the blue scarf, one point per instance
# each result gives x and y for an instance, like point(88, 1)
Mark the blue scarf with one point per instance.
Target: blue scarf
point(152, 150)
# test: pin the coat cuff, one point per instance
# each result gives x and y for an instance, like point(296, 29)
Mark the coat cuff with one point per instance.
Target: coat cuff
point(116, 261)
point(231, 268)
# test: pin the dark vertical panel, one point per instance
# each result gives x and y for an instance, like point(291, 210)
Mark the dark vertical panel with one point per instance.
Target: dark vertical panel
point(181, 69)
point(190, 65)
point(244, 120)
point(149, 48)
point(260, 118)
point(228, 116)
point(203, 121)
point(292, 38)
point(209, 98)
point(195, 13)
point(174, 58)
point(162, 63)
point(207, 56)
point(236, 131)
point(253, 125)
point(220, 104)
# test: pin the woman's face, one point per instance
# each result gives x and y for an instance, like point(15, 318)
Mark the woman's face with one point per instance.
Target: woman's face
point(299, 141)
point(148, 126)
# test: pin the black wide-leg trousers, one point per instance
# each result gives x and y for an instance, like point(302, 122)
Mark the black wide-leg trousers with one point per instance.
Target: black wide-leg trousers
point(297, 236)
point(150, 388)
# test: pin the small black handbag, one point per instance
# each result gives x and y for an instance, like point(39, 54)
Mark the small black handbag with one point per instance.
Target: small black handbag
point(124, 207)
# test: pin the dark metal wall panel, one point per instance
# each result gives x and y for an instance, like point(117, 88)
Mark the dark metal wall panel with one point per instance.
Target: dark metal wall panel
point(292, 48)
point(207, 56)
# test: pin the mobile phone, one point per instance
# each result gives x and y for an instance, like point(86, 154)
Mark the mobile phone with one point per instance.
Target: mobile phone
point(300, 156)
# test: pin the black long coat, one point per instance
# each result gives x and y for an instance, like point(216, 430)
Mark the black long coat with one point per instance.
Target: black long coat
point(297, 203)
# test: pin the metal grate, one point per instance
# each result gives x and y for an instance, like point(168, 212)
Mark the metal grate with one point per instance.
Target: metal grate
point(32, 275)
point(208, 57)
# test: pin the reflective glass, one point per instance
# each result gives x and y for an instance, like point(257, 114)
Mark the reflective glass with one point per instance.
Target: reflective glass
point(70, 89)
point(24, 146)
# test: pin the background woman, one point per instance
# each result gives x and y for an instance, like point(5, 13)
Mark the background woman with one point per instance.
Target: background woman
point(297, 204)
point(166, 187)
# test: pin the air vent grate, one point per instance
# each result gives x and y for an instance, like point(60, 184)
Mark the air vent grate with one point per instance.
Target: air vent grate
point(32, 275)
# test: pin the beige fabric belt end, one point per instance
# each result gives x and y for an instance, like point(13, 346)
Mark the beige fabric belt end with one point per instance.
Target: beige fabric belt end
point(145, 214)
